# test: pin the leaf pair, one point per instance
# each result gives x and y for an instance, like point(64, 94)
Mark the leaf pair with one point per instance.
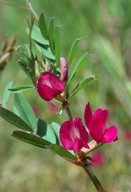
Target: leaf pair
point(45, 136)
point(31, 138)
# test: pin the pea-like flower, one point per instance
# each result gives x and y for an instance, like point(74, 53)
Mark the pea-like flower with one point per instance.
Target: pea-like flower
point(97, 125)
point(49, 86)
point(73, 135)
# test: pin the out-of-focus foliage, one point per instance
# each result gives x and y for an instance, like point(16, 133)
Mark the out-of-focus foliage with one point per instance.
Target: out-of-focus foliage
point(106, 30)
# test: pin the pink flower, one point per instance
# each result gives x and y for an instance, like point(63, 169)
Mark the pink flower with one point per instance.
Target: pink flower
point(98, 158)
point(97, 125)
point(73, 135)
point(49, 86)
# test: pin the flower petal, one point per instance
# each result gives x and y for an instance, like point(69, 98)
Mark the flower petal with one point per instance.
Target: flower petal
point(88, 115)
point(103, 114)
point(98, 125)
point(78, 130)
point(76, 145)
point(65, 136)
point(46, 92)
point(57, 85)
point(111, 134)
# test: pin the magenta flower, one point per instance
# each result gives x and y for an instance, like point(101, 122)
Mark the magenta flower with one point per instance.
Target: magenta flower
point(97, 125)
point(73, 135)
point(49, 86)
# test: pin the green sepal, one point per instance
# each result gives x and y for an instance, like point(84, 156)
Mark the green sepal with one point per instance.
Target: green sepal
point(25, 111)
point(14, 119)
point(82, 84)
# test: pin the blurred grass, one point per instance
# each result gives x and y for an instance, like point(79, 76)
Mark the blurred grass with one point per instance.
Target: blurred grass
point(106, 30)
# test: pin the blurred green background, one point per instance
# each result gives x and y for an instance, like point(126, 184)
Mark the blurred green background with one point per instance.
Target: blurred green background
point(105, 28)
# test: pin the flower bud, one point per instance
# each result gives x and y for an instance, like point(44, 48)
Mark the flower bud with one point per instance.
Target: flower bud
point(63, 69)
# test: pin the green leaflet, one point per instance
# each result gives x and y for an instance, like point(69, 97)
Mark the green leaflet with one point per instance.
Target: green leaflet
point(42, 26)
point(82, 84)
point(6, 92)
point(22, 88)
point(45, 131)
point(42, 143)
point(46, 51)
point(72, 51)
point(14, 119)
point(37, 36)
point(25, 111)
point(56, 129)
point(31, 138)
point(81, 61)
point(51, 35)
point(57, 46)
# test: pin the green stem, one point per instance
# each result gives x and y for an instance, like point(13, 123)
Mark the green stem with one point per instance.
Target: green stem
point(32, 10)
point(93, 178)
point(68, 112)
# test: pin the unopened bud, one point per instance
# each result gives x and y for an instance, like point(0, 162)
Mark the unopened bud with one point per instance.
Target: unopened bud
point(63, 69)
